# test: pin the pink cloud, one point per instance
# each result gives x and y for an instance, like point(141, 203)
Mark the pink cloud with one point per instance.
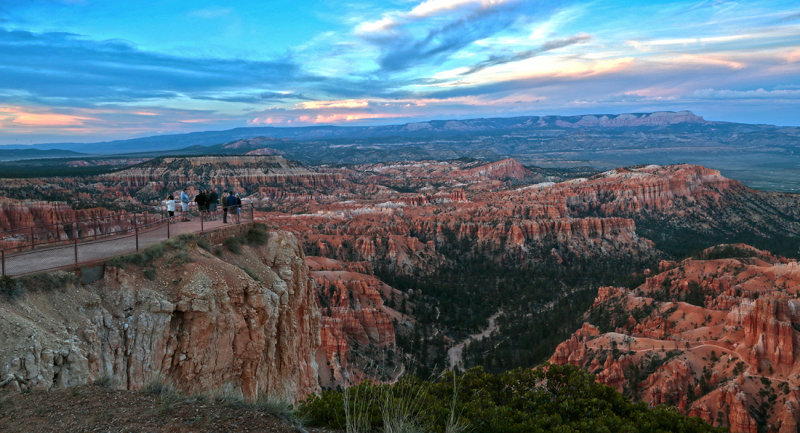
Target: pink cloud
point(24, 117)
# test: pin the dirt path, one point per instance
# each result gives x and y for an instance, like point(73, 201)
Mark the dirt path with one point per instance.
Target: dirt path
point(454, 354)
point(92, 250)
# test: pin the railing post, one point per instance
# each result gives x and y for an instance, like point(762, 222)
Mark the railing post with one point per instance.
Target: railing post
point(3, 259)
point(169, 223)
point(136, 231)
point(75, 243)
point(252, 214)
point(33, 242)
point(201, 222)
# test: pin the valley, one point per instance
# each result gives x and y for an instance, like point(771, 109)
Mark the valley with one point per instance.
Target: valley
point(377, 270)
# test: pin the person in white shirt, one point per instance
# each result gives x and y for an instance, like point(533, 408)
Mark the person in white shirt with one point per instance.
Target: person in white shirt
point(170, 202)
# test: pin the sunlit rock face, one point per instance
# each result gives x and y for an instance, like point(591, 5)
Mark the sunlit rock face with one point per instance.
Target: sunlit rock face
point(716, 337)
point(246, 322)
point(357, 328)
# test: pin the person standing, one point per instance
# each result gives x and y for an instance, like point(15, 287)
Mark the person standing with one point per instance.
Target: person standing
point(212, 203)
point(232, 202)
point(224, 207)
point(200, 199)
point(170, 202)
point(238, 207)
point(185, 204)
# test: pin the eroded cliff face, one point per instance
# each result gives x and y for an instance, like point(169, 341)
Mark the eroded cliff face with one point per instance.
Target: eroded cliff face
point(243, 173)
point(716, 337)
point(53, 221)
point(357, 329)
point(246, 322)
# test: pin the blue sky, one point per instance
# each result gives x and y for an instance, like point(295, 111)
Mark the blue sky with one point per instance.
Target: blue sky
point(87, 70)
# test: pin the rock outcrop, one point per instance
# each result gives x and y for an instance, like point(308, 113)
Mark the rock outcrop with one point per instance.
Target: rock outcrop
point(357, 330)
point(246, 322)
point(717, 336)
point(37, 222)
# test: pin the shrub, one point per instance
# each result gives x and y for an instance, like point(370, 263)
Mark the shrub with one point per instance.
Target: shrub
point(47, 281)
point(230, 395)
point(103, 381)
point(252, 274)
point(141, 259)
point(233, 244)
point(9, 288)
point(726, 252)
point(257, 234)
point(549, 398)
point(202, 243)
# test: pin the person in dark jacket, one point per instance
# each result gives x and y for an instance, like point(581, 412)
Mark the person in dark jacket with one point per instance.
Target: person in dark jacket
point(200, 199)
point(212, 202)
point(232, 203)
point(224, 207)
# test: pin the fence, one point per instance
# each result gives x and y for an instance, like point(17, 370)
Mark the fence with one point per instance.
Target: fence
point(73, 243)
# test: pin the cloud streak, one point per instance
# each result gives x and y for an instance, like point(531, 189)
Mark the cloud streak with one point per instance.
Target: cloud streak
point(527, 54)
point(112, 70)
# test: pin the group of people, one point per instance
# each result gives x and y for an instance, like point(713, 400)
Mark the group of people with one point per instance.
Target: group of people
point(207, 201)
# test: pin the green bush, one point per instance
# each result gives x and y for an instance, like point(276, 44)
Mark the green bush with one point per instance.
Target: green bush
point(257, 234)
point(141, 259)
point(545, 399)
point(726, 252)
point(233, 244)
point(9, 288)
point(47, 281)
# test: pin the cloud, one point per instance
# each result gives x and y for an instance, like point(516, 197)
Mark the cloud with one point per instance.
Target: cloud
point(210, 13)
point(349, 103)
point(790, 17)
point(523, 55)
point(748, 94)
point(14, 116)
point(69, 68)
point(434, 29)
point(426, 9)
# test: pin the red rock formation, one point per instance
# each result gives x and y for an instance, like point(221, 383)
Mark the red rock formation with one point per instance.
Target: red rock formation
point(55, 221)
point(352, 312)
point(244, 322)
point(499, 170)
point(732, 361)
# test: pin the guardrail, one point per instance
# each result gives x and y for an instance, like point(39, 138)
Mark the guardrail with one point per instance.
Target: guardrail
point(47, 247)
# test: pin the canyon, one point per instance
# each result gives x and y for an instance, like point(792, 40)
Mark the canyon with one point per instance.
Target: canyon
point(715, 335)
point(245, 323)
point(386, 266)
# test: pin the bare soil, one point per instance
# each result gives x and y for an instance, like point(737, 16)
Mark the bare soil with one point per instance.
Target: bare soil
point(93, 408)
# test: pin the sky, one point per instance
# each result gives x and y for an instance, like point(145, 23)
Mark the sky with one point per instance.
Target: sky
point(91, 70)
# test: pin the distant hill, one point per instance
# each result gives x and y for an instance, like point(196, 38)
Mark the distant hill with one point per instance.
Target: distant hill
point(18, 154)
point(761, 156)
point(417, 129)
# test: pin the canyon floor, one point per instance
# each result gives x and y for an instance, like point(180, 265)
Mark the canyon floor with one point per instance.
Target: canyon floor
point(92, 408)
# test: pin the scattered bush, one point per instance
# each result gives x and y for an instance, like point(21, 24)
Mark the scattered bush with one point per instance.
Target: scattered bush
point(203, 243)
point(48, 281)
point(233, 244)
point(229, 395)
point(257, 234)
point(160, 386)
point(549, 398)
point(103, 381)
point(180, 258)
point(141, 259)
point(9, 288)
point(252, 274)
point(726, 252)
